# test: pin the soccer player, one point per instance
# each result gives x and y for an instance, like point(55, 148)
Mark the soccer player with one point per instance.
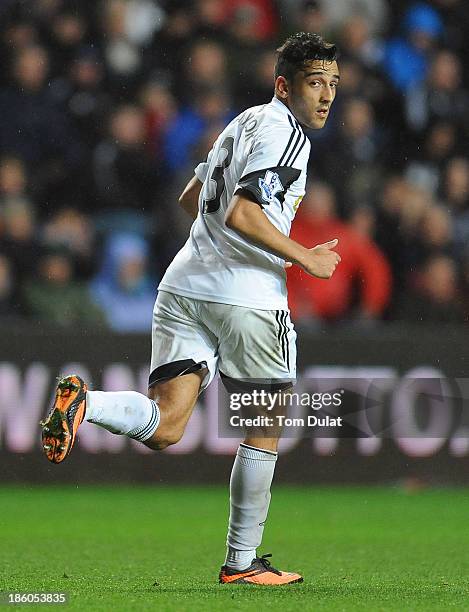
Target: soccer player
point(222, 304)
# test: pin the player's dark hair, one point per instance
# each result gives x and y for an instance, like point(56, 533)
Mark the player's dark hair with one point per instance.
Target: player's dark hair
point(299, 49)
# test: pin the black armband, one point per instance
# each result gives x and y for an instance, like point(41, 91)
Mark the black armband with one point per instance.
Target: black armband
point(269, 186)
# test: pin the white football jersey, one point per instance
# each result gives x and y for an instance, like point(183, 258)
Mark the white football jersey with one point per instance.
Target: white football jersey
point(263, 152)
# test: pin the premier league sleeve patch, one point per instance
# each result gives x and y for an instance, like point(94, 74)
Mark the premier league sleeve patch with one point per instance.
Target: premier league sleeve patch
point(269, 186)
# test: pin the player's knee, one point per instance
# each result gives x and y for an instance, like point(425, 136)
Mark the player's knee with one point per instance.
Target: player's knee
point(169, 438)
point(173, 420)
point(164, 437)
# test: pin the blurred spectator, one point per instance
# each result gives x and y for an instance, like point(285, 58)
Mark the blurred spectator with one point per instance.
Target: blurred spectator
point(246, 47)
point(160, 111)
point(128, 25)
point(356, 41)
point(142, 19)
point(66, 35)
point(252, 21)
point(465, 283)
point(32, 128)
point(14, 36)
point(126, 176)
point(19, 233)
point(169, 47)
point(363, 274)
point(17, 218)
point(55, 297)
point(400, 216)
point(375, 12)
point(123, 287)
point(455, 194)
point(406, 56)
point(329, 17)
point(456, 18)
point(428, 161)
point(456, 184)
point(209, 109)
point(257, 81)
point(82, 95)
point(245, 19)
point(211, 16)
point(73, 231)
point(436, 234)
point(412, 210)
point(360, 83)
point(434, 297)
point(12, 178)
point(353, 159)
point(206, 68)
point(395, 191)
point(306, 15)
point(363, 221)
point(440, 96)
point(8, 305)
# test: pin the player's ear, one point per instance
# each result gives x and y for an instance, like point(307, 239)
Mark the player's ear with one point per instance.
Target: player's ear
point(281, 87)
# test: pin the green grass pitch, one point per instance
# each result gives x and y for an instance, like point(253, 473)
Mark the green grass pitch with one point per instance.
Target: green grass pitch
point(160, 548)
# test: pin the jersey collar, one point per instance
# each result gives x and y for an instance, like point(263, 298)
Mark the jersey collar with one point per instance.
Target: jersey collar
point(276, 102)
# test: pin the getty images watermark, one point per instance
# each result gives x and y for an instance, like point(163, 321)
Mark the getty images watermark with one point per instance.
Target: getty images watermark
point(345, 408)
point(273, 404)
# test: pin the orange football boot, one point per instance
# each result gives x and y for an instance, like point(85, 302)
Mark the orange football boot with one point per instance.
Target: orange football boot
point(259, 572)
point(60, 428)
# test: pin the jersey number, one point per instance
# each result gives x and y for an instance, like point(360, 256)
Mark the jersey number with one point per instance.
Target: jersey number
point(212, 205)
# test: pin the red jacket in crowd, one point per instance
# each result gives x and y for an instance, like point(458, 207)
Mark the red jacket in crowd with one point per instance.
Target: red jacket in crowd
point(363, 266)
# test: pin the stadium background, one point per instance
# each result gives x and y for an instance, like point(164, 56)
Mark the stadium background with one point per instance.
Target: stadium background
point(105, 109)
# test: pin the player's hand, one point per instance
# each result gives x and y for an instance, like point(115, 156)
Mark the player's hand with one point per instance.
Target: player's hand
point(321, 260)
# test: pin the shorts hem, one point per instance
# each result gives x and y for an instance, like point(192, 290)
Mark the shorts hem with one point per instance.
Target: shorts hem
point(174, 369)
point(271, 385)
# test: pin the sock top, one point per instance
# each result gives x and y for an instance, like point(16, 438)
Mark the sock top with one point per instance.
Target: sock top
point(251, 452)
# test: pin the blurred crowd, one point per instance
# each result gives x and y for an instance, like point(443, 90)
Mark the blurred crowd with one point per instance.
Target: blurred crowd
point(106, 107)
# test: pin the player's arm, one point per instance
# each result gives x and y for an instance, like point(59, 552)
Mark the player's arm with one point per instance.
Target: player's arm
point(247, 218)
point(278, 149)
point(189, 198)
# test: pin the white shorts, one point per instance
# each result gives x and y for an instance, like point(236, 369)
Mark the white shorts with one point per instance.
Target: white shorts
point(239, 342)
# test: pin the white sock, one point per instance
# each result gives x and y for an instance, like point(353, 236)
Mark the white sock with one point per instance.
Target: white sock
point(251, 477)
point(123, 412)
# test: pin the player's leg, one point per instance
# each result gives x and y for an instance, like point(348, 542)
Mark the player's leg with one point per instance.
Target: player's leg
point(250, 485)
point(183, 363)
point(260, 345)
point(174, 385)
point(129, 413)
point(176, 399)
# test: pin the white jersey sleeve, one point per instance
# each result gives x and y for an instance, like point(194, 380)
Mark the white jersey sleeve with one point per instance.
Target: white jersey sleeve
point(273, 166)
